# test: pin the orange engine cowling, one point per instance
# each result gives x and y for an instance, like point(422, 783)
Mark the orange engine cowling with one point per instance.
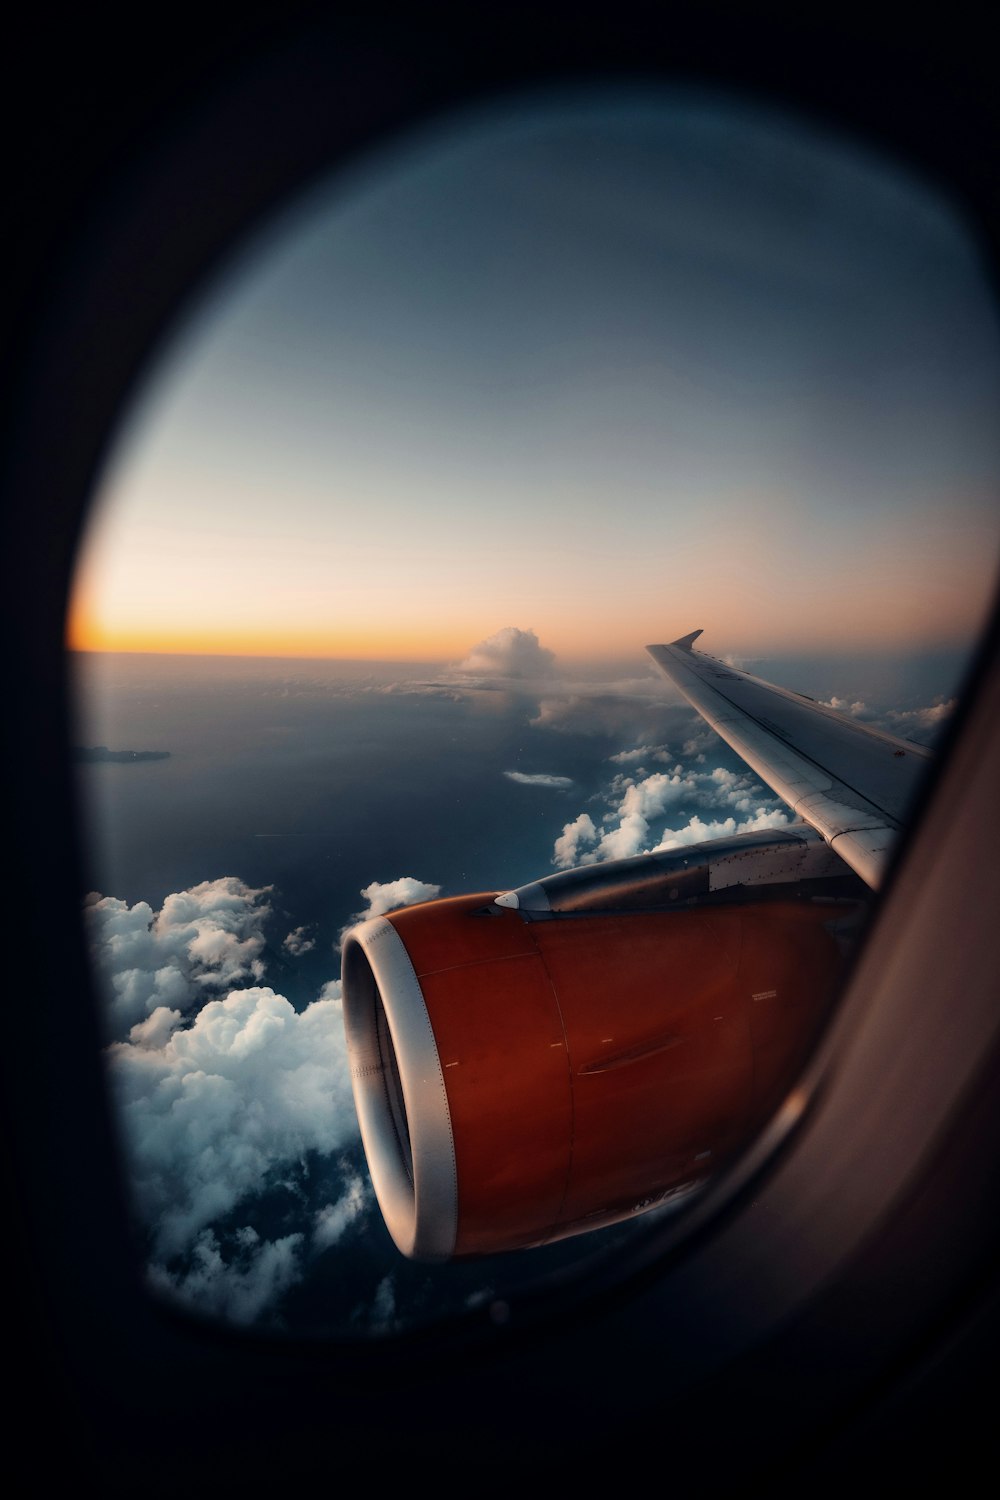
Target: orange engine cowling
point(524, 1070)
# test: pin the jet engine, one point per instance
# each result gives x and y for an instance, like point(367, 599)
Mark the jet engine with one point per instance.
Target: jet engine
point(535, 1063)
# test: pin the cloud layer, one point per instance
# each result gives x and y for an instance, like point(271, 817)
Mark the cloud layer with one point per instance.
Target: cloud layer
point(665, 810)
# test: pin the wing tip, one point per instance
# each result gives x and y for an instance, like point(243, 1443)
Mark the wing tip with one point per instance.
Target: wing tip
point(685, 642)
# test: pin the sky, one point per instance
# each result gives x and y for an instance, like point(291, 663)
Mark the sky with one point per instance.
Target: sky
point(614, 365)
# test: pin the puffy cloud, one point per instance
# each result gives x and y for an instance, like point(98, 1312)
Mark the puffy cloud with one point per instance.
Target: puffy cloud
point(155, 1031)
point(201, 942)
point(642, 801)
point(561, 783)
point(697, 832)
point(635, 806)
point(572, 841)
point(299, 941)
point(257, 1274)
point(842, 705)
point(510, 652)
point(227, 1104)
point(388, 895)
point(383, 896)
point(220, 1109)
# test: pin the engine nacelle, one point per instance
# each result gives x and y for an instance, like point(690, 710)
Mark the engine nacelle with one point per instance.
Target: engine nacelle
point(537, 1063)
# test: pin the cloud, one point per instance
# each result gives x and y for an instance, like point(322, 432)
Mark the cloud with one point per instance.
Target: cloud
point(389, 895)
point(201, 942)
point(333, 1219)
point(239, 1289)
point(635, 808)
point(382, 1316)
point(919, 724)
point(641, 753)
point(510, 652)
point(574, 838)
point(298, 942)
point(642, 801)
point(842, 706)
point(228, 1102)
point(155, 1031)
point(445, 691)
point(630, 708)
point(383, 896)
point(697, 832)
point(561, 783)
point(217, 1111)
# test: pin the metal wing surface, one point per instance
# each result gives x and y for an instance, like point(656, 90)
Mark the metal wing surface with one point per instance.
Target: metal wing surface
point(852, 783)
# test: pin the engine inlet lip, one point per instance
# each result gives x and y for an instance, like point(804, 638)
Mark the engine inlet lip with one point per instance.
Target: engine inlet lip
point(417, 1189)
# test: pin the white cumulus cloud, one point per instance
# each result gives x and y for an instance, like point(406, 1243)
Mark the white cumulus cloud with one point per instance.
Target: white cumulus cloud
point(224, 1099)
point(509, 652)
point(642, 801)
point(698, 832)
point(299, 941)
point(637, 809)
point(388, 895)
point(221, 1108)
point(574, 841)
point(201, 942)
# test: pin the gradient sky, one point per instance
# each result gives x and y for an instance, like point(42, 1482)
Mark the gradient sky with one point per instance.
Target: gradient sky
point(609, 366)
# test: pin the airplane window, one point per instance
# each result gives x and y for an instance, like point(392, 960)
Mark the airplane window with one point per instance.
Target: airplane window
point(359, 625)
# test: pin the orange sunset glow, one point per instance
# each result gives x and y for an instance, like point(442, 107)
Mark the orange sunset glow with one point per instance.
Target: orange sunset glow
point(935, 589)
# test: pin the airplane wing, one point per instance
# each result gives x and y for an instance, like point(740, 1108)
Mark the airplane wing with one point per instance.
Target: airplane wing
point(851, 782)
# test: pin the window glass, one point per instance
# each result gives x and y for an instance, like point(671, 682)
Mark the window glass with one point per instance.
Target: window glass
point(360, 613)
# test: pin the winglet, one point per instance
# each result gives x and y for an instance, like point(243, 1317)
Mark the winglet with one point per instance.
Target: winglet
point(687, 641)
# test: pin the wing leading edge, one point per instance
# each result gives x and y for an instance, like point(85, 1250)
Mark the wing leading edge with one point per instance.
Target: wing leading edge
point(852, 783)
